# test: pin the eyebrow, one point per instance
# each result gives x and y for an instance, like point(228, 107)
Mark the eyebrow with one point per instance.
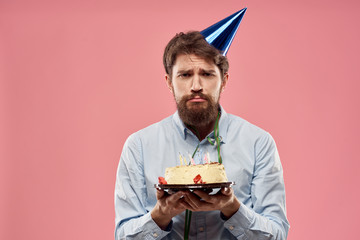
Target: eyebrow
point(184, 70)
point(208, 71)
point(191, 70)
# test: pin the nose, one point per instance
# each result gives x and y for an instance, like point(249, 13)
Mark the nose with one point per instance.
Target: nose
point(196, 84)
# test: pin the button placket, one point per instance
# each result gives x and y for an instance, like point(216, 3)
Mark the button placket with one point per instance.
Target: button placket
point(200, 225)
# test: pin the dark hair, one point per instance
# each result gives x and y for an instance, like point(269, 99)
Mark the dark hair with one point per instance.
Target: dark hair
point(192, 42)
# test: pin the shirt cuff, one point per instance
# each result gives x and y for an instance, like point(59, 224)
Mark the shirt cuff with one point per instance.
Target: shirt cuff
point(240, 222)
point(152, 230)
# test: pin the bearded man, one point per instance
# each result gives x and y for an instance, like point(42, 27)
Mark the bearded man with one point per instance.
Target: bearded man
point(254, 208)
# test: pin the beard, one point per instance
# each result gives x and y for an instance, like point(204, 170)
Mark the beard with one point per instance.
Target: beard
point(197, 114)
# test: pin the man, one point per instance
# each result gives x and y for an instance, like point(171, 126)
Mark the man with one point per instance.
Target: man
point(254, 208)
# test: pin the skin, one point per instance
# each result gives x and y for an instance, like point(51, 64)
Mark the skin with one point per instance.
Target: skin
point(193, 74)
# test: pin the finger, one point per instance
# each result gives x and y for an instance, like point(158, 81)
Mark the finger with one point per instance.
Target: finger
point(200, 206)
point(192, 200)
point(203, 195)
point(185, 205)
point(179, 205)
point(226, 191)
point(176, 196)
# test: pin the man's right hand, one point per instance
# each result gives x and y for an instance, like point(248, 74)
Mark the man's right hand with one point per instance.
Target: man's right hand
point(167, 207)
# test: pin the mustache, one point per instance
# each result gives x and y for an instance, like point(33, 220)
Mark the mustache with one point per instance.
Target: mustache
point(193, 95)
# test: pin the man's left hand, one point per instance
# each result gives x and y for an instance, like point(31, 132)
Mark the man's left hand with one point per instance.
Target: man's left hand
point(224, 200)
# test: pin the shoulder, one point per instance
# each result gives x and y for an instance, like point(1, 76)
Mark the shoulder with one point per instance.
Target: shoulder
point(243, 132)
point(157, 128)
point(237, 124)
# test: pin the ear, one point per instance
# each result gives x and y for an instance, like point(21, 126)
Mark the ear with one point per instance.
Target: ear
point(224, 81)
point(169, 83)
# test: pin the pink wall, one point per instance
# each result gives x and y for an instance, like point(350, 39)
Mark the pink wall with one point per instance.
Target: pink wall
point(77, 77)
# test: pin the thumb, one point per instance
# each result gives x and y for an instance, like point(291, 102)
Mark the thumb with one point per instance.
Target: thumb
point(159, 193)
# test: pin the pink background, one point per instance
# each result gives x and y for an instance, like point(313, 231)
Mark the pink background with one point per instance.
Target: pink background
point(77, 77)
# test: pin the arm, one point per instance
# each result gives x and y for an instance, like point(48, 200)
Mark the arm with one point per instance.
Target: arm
point(266, 219)
point(132, 219)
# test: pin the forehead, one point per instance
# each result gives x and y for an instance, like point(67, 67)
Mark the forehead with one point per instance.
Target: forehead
point(192, 61)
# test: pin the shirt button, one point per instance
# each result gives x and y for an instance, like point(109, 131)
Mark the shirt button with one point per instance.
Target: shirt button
point(155, 235)
point(231, 227)
point(201, 229)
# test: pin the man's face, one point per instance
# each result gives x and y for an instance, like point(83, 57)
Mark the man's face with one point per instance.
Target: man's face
point(196, 84)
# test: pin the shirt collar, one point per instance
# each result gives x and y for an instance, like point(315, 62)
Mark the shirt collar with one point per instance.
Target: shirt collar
point(223, 125)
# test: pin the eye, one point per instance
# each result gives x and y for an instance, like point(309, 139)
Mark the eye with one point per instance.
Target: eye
point(184, 75)
point(206, 74)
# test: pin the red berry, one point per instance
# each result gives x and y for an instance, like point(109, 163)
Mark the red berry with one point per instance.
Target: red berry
point(162, 180)
point(197, 179)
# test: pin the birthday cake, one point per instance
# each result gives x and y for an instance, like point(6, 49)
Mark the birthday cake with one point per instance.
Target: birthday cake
point(195, 174)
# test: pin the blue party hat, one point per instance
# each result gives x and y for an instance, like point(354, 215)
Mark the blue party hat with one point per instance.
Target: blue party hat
point(222, 33)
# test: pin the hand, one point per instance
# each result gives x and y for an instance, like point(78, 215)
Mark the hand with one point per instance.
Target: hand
point(167, 207)
point(225, 201)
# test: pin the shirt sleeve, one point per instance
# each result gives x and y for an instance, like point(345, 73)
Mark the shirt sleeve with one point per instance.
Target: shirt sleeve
point(132, 220)
point(266, 218)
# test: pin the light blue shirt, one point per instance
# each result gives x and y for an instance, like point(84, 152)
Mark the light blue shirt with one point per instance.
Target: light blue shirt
point(250, 158)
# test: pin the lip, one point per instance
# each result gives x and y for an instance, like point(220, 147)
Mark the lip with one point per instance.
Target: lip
point(197, 99)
